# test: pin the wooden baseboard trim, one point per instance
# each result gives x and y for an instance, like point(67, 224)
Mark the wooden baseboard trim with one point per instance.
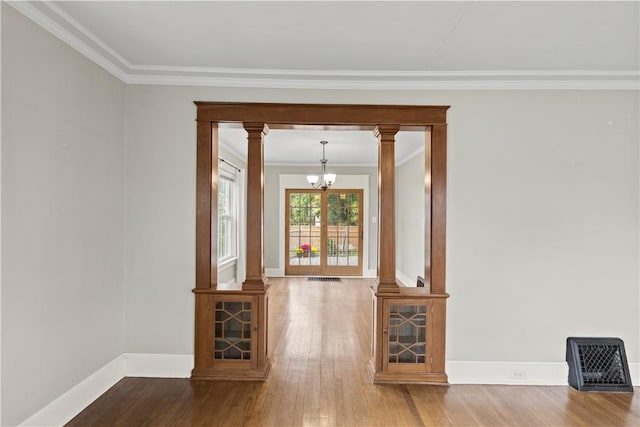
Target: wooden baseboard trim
point(406, 378)
point(232, 374)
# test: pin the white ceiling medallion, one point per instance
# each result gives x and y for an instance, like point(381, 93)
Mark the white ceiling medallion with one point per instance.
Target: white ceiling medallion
point(55, 20)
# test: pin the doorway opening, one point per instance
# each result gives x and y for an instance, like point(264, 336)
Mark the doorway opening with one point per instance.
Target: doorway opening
point(389, 301)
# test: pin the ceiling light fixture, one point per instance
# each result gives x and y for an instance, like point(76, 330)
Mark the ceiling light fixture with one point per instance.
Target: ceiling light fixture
point(325, 180)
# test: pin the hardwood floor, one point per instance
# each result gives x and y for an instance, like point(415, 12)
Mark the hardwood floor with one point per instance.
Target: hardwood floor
point(320, 346)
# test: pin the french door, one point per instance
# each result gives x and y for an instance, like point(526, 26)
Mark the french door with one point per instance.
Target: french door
point(324, 232)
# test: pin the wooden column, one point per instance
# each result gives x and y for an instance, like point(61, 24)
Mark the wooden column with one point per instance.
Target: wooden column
point(386, 280)
point(436, 154)
point(427, 209)
point(255, 206)
point(207, 205)
point(206, 233)
point(438, 208)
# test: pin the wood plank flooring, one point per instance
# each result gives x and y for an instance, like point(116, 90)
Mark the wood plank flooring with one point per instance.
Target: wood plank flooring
point(320, 346)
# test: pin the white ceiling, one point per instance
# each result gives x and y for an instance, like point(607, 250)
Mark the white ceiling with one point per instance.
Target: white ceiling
point(355, 45)
point(302, 147)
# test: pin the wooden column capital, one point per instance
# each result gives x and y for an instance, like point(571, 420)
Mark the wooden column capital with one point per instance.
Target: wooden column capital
point(386, 277)
point(253, 128)
point(386, 133)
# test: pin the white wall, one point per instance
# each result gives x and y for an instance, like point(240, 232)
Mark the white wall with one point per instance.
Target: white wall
point(410, 201)
point(542, 216)
point(160, 245)
point(542, 223)
point(62, 217)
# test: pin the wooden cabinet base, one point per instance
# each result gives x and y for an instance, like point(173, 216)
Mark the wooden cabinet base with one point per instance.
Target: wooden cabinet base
point(232, 374)
point(231, 335)
point(406, 377)
point(408, 337)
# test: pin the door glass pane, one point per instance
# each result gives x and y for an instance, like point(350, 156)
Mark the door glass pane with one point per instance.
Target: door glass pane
point(343, 228)
point(304, 229)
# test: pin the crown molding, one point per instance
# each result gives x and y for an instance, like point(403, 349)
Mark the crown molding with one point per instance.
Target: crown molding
point(53, 19)
point(390, 83)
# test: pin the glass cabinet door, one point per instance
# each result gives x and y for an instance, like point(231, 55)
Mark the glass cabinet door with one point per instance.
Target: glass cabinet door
point(406, 335)
point(233, 320)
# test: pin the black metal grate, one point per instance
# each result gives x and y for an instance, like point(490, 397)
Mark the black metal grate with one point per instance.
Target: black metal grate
point(323, 279)
point(598, 364)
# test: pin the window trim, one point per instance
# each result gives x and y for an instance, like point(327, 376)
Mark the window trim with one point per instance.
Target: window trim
point(229, 173)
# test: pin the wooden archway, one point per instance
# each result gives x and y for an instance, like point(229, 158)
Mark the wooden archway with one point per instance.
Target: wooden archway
point(420, 310)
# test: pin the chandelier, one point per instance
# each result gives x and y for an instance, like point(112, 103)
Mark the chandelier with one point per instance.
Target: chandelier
point(325, 180)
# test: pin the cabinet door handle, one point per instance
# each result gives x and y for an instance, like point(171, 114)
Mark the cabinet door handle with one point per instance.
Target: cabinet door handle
point(384, 331)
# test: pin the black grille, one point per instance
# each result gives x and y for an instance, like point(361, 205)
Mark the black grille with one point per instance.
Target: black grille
point(323, 279)
point(598, 364)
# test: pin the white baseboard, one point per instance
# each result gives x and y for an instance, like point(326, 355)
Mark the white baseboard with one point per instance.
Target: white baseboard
point(517, 373)
point(525, 373)
point(405, 280)
point(369, 274)
point(68, 405)
point(273, 272)
point(64, 408)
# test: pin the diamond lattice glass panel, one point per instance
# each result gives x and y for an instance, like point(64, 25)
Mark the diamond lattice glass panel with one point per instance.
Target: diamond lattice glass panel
point(232, 340)
point(407, 333)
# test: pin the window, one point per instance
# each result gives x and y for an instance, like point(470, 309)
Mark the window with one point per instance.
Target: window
point(227, 214)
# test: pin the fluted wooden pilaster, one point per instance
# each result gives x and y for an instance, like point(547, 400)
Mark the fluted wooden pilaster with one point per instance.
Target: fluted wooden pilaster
point(386, 277)
point(255, 206)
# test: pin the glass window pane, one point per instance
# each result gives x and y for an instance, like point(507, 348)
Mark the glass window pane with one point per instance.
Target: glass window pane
point(226, 221)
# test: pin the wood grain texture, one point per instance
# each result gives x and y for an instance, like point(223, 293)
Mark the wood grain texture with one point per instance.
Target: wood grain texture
point(386, 208)
point(438, 208)
point(432, 371)
point(215, 182)
point(203, 332)
point(356, 116)
point(257, 368)
point(255, 205)
point(204, 207)
point(320, 346)
point(427, 208)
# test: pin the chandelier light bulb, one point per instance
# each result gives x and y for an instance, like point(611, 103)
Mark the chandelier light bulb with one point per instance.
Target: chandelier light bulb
point(330, 178)
point(325, 180)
